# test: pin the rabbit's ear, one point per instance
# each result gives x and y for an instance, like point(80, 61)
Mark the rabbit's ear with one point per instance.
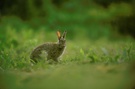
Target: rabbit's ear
point(64, 34)
point(58, 34)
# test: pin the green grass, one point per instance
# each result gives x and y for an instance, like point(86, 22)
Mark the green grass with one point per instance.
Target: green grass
point(70, 76)
point(96, 56)
point(86, 63)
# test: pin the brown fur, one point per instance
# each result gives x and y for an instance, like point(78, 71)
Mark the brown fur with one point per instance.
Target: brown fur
point(53, 49)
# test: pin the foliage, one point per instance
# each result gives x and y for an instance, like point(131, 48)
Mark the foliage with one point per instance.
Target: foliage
point(15, 50)
point(96, 56)
point(82, 57)
point(68, 14)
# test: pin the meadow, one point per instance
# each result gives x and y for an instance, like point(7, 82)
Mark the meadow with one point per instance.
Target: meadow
point(85, 64)
point(97, 55)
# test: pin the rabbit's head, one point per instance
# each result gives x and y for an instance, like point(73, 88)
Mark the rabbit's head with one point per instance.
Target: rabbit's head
point(61, 39)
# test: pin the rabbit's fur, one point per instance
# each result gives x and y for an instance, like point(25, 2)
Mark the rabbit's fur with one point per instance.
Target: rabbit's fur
point(53, 49)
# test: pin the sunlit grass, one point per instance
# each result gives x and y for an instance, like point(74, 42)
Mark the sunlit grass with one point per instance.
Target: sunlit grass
point(96, 55)
point(87, 63)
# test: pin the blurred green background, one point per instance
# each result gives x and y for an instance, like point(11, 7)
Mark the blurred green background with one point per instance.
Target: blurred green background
point(90, 18)
point(100, 43)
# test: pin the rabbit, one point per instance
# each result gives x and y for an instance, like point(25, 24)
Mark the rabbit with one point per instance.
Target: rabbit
point(53, 49)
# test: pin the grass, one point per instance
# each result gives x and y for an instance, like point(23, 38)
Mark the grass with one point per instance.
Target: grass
point(86, 63)
point(96, 56)
point(70, 76)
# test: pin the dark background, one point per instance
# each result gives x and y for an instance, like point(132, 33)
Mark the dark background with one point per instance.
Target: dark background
point(94, 19)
